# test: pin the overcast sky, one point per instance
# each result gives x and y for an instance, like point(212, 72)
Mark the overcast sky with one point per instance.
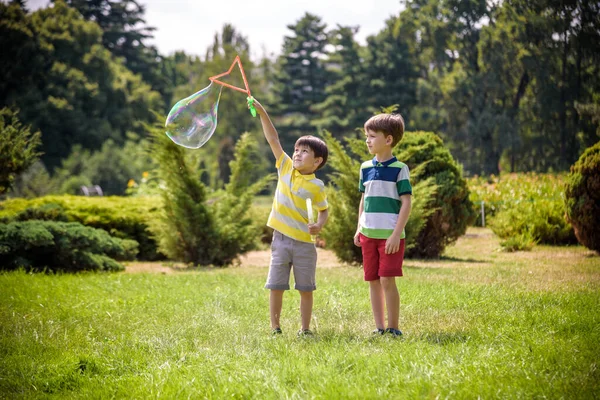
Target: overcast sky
point(190, 25)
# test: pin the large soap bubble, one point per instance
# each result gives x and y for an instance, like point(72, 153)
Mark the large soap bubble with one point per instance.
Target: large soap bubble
point(193, 120)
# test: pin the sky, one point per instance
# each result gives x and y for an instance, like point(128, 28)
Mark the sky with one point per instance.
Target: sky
point(190, 25)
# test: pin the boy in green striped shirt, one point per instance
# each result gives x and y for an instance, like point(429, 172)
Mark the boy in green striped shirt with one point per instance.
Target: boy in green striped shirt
point(383, 212)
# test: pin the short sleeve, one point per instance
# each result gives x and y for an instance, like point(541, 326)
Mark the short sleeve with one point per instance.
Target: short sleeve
point(283, 164)
point(361, 185)
point(403, 183)
point(320, 200)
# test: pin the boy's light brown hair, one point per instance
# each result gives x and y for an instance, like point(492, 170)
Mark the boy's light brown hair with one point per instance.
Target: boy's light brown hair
point(388, 124)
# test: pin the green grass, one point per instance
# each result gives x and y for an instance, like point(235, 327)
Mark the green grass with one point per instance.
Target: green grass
point(477, 323)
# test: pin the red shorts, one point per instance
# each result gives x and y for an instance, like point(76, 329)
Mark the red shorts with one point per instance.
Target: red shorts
point(376, 263)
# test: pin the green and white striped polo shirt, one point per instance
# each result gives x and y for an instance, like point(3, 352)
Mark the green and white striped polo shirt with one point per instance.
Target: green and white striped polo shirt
point(382, 183)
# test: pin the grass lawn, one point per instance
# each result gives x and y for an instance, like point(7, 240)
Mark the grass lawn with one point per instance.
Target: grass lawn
point(477, 323)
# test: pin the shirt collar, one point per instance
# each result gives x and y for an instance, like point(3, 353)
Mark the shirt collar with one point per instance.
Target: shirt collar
point(384, 163)
point(306, 177)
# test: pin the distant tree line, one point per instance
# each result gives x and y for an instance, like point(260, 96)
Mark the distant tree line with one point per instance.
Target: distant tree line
point(511, 85)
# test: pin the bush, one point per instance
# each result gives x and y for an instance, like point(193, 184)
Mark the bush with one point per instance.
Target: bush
point(61, 246)
point(198, 230)
point(122, 217)
point(582, 198)
point(501, 193)
point(260, 215)
point(523, 241)
point(452, 210)
point(540, 220)
point(45, 212)
point(441, 207)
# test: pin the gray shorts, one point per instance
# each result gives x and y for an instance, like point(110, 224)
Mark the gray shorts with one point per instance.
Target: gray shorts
point(287, 252)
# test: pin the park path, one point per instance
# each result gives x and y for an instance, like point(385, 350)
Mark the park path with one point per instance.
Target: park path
point(474, 238)
point(259, 258)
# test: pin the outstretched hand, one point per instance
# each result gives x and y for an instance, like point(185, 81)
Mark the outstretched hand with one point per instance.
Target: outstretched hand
point(259, 108)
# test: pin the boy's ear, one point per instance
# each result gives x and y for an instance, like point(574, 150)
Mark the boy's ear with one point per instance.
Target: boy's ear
point(389, 139)
point(318, 161)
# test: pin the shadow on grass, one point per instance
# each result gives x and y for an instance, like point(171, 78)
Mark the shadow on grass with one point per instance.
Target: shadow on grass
point(446, 259)
point(444, 338)
point(463, 260)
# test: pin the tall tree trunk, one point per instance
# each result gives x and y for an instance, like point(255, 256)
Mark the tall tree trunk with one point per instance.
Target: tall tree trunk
point(563, 106)
point(514, 116)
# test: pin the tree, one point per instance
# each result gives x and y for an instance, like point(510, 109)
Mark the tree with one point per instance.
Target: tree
point(112, 167)
point(391, 75)
point(564, 38)
point(18, 148)
point(79, 93)
point(301, 77)
point(510, 81)
point(124, 33)
point(23, 59)
point(343, 108)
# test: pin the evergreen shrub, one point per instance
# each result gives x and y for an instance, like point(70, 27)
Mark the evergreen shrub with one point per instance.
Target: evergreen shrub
point(582, 198)
point(198, 227)
point(18, 147)
point(451, 208)
point(260, 214)
point(441, 209)
point(61, 246)
point(122, 217)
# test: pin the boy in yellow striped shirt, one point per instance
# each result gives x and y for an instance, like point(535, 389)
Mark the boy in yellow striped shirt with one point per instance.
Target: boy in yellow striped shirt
point(292, 244)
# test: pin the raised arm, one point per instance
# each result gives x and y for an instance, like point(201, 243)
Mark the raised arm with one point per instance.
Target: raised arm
point(269, 130)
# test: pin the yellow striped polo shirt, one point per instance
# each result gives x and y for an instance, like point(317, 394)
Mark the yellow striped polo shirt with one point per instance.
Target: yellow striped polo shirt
point(289, 215)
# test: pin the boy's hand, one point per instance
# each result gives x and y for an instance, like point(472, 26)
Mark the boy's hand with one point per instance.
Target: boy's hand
point(314, 229)
point(392, 244)
point(259, 108)
point(357, 239)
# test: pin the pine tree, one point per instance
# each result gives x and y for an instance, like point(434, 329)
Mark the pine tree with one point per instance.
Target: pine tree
point(343, 108)
point(198, 230)
point(391, 73)
point(301, 77)
point(18, 148)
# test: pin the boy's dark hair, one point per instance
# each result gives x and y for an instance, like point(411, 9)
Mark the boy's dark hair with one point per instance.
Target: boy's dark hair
point(388, 124)
point(317, 145)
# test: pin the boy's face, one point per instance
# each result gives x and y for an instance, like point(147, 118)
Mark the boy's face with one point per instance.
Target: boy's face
point(304, 159)
point(378, 142)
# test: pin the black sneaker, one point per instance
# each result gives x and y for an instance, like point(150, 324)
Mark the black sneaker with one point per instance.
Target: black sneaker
point(378, 331)
point(305, 333)
point(394, 332)
point(276, 331)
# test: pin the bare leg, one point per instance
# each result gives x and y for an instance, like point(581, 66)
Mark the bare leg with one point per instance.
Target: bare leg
point(306, 305)
point(392, 300)
point(377, 303)
point(275, 304)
